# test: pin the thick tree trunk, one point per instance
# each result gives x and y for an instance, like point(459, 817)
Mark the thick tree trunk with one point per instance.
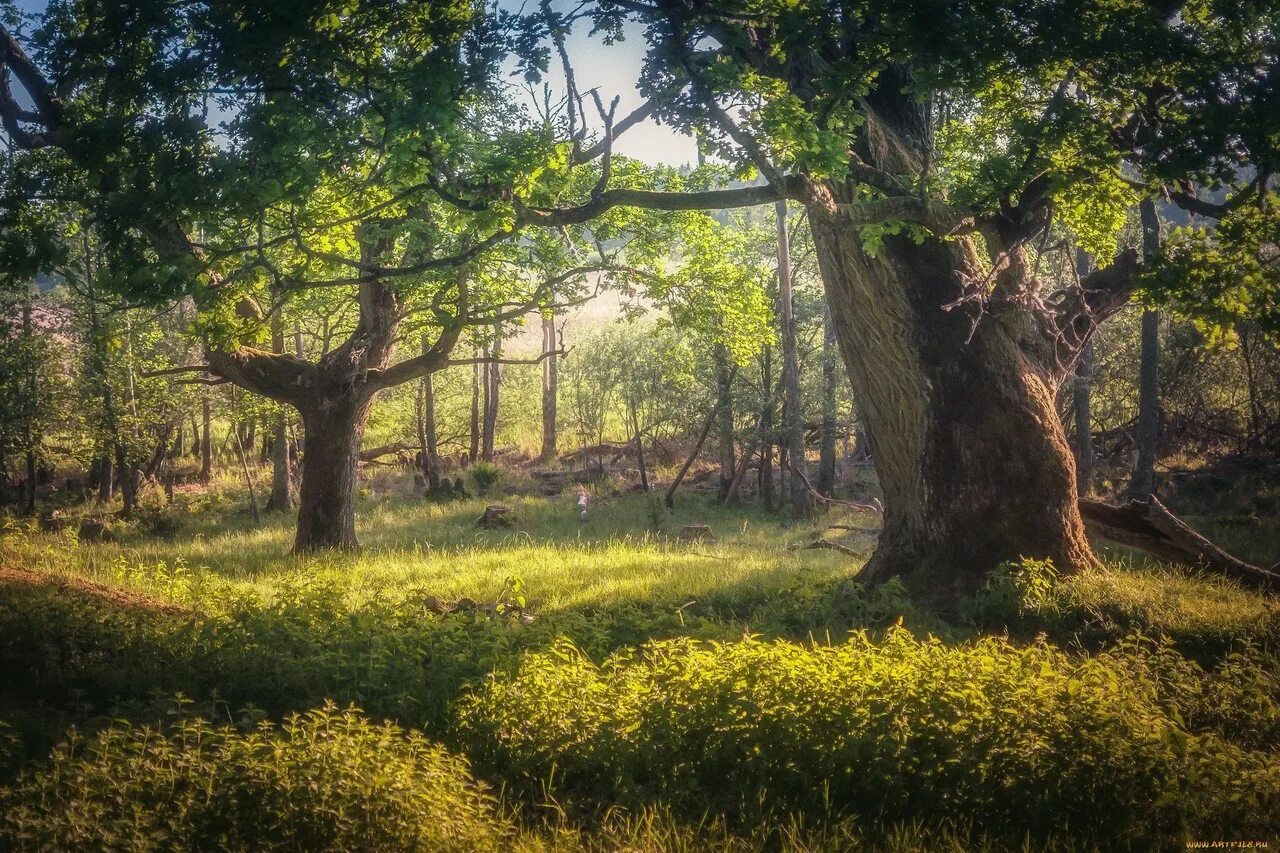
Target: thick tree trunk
point(827, 452)
point(1148, 435)
point(550, 387)
point(969, 449)
point(327, 498)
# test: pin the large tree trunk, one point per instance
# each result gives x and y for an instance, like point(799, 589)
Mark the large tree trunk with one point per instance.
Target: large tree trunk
point(550, 387)
point(969, 449)
point(327, 499)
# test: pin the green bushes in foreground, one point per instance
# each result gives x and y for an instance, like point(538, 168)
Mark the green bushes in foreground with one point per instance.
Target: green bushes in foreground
point(325, 780)
point(1011, 740)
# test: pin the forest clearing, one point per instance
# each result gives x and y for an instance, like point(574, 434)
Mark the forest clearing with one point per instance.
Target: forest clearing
point(644, 426)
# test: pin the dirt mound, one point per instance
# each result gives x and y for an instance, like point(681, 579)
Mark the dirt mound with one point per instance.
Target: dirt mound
point(12, 576)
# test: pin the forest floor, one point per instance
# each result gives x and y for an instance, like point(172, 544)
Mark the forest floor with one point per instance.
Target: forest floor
point(473, 637)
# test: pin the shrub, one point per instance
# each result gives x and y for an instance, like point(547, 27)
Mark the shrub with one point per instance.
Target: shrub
point(326, 780)
point(1012, 740)
point(485, 476)
point(1012, 591)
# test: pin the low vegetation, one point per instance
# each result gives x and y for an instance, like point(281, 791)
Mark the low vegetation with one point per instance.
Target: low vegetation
point(632, 682)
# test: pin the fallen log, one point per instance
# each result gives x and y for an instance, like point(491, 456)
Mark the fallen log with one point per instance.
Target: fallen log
point(824, 544)
point(1148, 526)
point(374, 453)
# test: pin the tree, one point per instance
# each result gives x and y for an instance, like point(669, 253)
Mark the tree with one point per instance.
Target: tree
point(1143, 484)
point(550, 386)
point(324, 181)
point(932, 149)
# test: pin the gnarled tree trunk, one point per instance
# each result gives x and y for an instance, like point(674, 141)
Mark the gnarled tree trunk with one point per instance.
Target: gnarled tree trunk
point(327, 498)
point(969, 449)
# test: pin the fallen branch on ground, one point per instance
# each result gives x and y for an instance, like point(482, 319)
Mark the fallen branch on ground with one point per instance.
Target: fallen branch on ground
point(1151, 528)
point(824, 544)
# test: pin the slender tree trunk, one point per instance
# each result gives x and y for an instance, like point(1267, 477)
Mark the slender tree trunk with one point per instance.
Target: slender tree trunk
point(968, 445)
point(1082, 409)
point(28, 335)
point(639, 438)
point(724, 418)
point(206, 438)
point(793, 404)
point(106, 478)
point(493, 382)
point(281, 499)
point(550, 387)
point(1259, 418)
point(766, 432)
point(1148, 434)
point(1082, 404)
point(827, 453)
point(478, 378)
point(128, 474)
point(430, 438)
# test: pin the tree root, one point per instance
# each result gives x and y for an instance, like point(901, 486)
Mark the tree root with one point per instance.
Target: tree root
point(1151, 528)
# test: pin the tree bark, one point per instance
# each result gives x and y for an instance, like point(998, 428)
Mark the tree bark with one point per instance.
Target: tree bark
point(478, 378)
point(724, 419)
point(430, 437)
point(1148, 434)
point(28, 335)
point(493, 381)
point(281, 499)
point(327, 499)
point(1082, 404)
point(206, 438)
point(969, 449)
point(827, 452)
point(550, 387)
point(793, 404)
point(766, 430)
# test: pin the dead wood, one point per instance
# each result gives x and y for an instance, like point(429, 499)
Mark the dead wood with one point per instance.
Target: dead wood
point(1148, 526)
point(824, 544)
point(495, 515)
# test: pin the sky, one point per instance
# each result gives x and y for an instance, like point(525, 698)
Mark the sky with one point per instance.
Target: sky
point(614, 69)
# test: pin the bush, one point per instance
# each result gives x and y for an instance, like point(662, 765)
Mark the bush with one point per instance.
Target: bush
point(326, 780)
point(1012, 740)
point(485, 476)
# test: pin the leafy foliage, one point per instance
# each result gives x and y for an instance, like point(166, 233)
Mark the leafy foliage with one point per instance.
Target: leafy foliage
point(325, 780)
point(1018, 739)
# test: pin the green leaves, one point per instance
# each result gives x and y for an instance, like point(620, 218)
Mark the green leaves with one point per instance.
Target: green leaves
point(1227, 275)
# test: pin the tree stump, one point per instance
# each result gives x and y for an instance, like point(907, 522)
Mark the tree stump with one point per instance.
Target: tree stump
point(95, 530)
point(495, 515)
point(696, 533)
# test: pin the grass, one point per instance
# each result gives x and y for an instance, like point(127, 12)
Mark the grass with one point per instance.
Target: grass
point(196, 600)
